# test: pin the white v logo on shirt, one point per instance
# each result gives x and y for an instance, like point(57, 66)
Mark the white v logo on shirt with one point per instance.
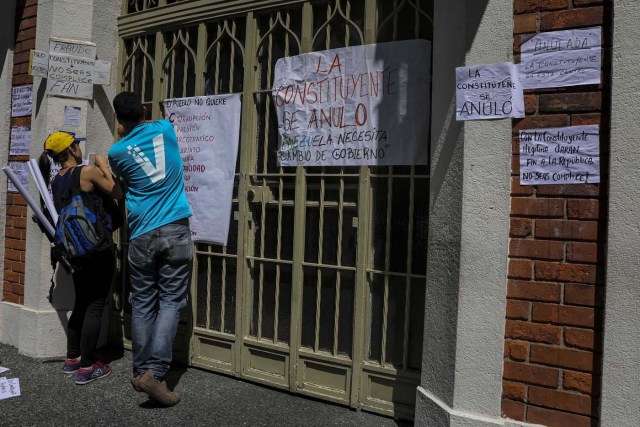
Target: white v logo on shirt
point(157, 172)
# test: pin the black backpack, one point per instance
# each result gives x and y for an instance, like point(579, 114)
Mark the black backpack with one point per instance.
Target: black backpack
point(81, 231)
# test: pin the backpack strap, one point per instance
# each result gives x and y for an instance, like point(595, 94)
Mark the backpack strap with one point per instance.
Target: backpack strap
point(74, 185)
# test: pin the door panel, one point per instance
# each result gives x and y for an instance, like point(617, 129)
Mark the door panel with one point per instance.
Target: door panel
point(321, 287)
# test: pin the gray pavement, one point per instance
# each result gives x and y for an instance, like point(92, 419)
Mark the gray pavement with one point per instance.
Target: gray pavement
point(51, 398)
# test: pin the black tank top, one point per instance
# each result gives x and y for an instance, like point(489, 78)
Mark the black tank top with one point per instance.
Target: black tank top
point(60, 187)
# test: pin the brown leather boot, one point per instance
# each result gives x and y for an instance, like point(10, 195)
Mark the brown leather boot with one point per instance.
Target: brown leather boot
point(157, 390)
point(134, 382)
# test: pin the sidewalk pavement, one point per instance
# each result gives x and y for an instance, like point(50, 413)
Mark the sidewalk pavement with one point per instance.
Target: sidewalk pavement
point(51, 398)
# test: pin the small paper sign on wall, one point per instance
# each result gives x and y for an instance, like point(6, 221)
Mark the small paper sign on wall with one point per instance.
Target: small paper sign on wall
point(569, 155)
point(20, 141)
point(21, 101)
point(488, 92)
point(562, 58)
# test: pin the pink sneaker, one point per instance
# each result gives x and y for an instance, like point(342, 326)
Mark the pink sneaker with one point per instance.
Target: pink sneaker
point(71, 365)
point(92, 373)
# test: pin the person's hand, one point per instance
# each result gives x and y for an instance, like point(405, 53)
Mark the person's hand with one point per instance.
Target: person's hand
point(101, 161)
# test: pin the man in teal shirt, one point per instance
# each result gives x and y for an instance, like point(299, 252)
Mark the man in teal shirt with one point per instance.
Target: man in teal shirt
point(160, 249)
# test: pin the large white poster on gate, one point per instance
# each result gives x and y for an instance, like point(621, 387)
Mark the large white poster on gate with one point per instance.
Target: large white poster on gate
point(208, 129)
point(361, 105)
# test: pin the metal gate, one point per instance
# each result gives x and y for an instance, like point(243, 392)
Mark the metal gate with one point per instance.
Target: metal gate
point(320, 289)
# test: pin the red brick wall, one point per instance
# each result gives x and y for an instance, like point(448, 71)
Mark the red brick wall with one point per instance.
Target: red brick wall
point(555, 288)
point(15, 229)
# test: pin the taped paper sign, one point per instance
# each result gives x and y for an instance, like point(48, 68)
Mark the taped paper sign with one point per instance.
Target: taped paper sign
point(488, 92)
point(569, 155)
point(75, 48)
point(562, 58)
point(20, 141)
point(22, 172)
point(361, 105)
point(70, 68)
point(21, 100)
point(39, 63)
point(208, 130)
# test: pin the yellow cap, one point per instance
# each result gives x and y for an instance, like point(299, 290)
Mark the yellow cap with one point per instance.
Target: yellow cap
point(58, 142)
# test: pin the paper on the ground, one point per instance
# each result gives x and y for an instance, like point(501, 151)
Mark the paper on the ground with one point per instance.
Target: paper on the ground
point(562, 58)
point(569, 155)
point(488, 92)
point(3, 369)
point(9, 388)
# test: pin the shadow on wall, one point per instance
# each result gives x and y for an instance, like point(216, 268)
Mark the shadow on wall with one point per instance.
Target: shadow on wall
point(456, 23)
point(7, 22)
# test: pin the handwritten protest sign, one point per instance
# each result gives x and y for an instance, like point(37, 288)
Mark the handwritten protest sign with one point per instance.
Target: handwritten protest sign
point(562, 58)
point(488, 92)
point(75, 48)
point(569, 155)
point(21, 101)
point(20, 141)
point(208, 129)
point(70, 68)
point(22, 172)
point(361, 105)
point(38, 63)
point(70, 76)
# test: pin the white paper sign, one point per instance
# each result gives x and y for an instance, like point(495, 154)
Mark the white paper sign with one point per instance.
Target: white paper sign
point(208, 130)
point(9, 388)
point(21, 101)
point(361, 105)
point(562, 58)
point(72, 47)
point(70, 76)
point(70, 89)
point(569, 155)
point(102, 75)
point(22, 172)
point(39, 63)
point(488, 92)
point(67, 68)
point(71, 116)
point(3, 369)
point(20, 141)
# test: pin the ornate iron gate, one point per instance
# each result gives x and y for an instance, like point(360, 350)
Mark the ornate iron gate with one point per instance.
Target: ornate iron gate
point(320, 289)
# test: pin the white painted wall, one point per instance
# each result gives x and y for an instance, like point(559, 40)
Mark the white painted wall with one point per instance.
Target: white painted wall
point(620, 405)
point(461, 380)
point(40, 330)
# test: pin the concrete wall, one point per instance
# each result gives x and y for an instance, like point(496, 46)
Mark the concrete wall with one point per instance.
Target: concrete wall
point(621, 365)
point(6, 69)
point(468, 233)
point(41, 331)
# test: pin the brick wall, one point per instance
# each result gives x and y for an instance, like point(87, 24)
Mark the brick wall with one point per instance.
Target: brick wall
point(555, 287)
point(15, 229)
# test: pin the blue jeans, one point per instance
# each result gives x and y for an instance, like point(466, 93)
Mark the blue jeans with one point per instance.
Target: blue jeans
point(160, 262)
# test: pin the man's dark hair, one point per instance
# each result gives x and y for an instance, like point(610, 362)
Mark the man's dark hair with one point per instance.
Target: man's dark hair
point(128, 107)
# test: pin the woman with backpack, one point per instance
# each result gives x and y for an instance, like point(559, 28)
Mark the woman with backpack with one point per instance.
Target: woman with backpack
point(92, 274)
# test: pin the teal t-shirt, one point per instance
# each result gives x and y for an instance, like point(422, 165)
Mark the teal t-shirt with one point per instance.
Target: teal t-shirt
point(148, 159)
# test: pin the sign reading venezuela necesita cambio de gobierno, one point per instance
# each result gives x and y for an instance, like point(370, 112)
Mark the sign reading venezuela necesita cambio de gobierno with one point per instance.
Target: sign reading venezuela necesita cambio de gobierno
point(359, 105)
